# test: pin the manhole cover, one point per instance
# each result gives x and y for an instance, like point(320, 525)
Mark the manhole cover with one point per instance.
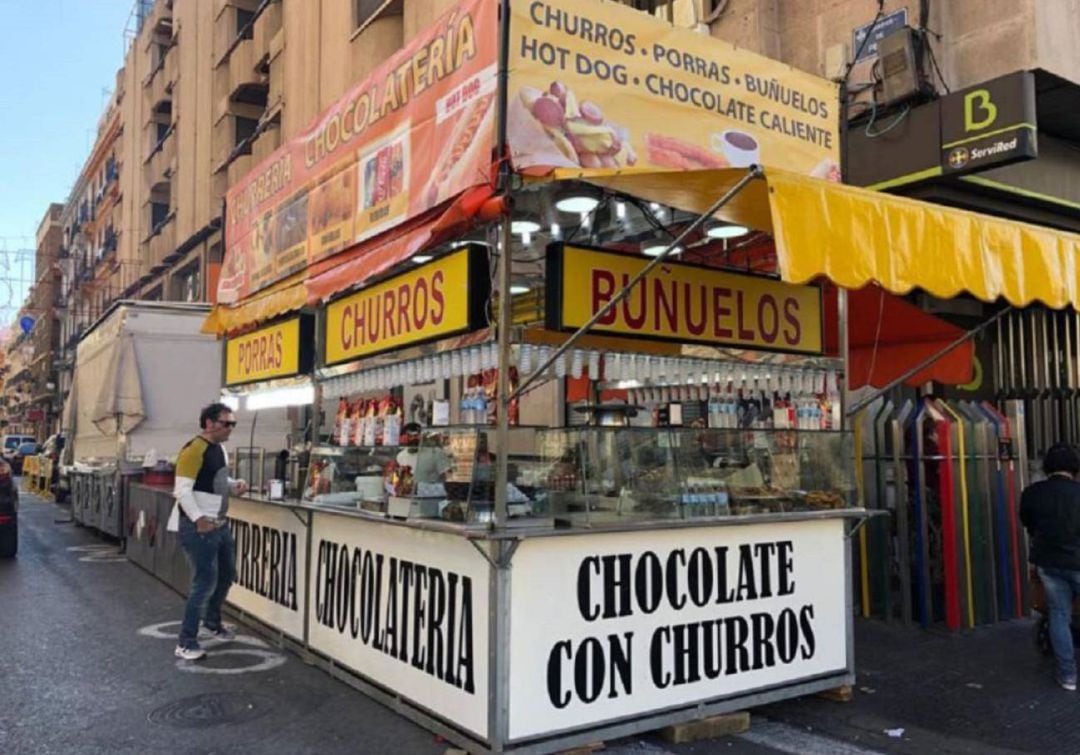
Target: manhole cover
point(211, 709)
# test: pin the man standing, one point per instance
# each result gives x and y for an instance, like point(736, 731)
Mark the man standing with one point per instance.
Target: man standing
point(1050, 511)
point(202, 494)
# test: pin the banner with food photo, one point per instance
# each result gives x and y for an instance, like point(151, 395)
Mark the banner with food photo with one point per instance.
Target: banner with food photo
point(601, 85)
point(415, 133)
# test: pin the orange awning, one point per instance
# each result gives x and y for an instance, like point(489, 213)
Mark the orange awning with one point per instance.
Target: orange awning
point(887, 336)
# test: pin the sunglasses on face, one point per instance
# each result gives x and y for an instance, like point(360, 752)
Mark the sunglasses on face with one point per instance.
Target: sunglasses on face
point(226, 423)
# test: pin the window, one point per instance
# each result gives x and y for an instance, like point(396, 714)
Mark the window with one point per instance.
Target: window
point(158, 212)
point(187, 284)
point(162, 131)
point(243, 18)
point(368, 10)
point(245, 127)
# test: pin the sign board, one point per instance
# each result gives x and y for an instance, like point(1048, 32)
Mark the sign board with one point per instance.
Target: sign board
point(406, 608)
point(283, 349)
point(989, 125)
point(885, 26)
point(639, 622)
point(416, 132)
point(599, 84)
point(680, 302)
point(271, 563)
point(437, 299)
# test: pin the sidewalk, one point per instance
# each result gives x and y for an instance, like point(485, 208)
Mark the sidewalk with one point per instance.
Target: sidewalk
point(985, 690)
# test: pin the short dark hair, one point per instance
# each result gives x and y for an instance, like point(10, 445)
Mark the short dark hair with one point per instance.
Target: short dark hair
point(212, 413)
point(1061, 457)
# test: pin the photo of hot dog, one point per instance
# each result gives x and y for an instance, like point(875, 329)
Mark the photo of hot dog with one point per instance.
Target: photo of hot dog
point(461, 154)
point(552, 127)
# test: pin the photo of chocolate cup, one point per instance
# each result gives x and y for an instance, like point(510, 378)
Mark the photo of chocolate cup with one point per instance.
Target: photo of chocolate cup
point(739, 147)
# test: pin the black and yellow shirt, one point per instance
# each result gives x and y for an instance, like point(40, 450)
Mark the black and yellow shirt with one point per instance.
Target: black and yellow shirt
point(202, 480)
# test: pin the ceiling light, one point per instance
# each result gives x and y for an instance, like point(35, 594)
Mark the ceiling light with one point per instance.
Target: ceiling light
point(727, 231)
point(579, 203)
point(524, 226)
point(420, 259)
point(658, 249)
point(556, 231)
point(519, 288)
point(620, 210)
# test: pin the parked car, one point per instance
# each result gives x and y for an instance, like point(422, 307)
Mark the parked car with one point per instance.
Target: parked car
point(12, 443)
point(29, 448)
point(9, 523)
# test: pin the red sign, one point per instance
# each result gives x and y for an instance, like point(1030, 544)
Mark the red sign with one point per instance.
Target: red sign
point(416, 132)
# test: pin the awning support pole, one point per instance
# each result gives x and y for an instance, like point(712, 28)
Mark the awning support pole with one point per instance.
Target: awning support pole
point(867, 400)
point(502, 420)
point(753, 172)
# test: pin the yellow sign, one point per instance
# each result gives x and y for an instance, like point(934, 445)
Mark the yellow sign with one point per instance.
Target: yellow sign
point(682, 303)
point(440, 298)
point(270, 352)
point(599, 84)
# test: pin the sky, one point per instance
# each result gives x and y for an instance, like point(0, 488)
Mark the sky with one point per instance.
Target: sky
point(58, 62)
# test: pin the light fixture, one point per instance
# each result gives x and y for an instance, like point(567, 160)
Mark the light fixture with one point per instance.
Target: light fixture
point(726, 231)
point(620, 210)
point(420, 259)
point(657, 249)
point(233, 402)
point(577, 203)
point(524, 226)
point(519, 288)
point(280, 397)
point(556, 231)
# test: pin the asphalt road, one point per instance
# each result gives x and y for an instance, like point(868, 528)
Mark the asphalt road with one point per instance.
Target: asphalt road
point(87, 666)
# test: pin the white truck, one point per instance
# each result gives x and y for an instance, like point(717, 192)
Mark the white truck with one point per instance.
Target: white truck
point(142, 373)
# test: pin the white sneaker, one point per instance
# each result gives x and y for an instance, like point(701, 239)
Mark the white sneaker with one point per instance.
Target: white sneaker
point(189, 654)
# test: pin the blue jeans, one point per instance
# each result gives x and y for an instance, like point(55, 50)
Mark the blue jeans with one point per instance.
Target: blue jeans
point(211, 556)
point(1061, 586)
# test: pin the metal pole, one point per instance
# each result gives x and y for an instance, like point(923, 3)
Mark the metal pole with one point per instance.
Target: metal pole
point(922, 365)
point(845, 353)
point(502, 421)
point(753, 172)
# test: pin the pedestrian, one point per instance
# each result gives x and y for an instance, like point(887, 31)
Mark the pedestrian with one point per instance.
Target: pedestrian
point(9, 512)
point(202, 492)
point(1050, 511)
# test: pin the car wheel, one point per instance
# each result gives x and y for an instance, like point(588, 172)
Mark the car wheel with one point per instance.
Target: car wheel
point(9, 540)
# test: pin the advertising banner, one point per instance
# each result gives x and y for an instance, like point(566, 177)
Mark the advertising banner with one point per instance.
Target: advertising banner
point(439, 298)
point(416, 132)
point(603, 85)
point(639, 622)
point(406, 608)
point(271, 563)
point(283, 349)
point(680, 302)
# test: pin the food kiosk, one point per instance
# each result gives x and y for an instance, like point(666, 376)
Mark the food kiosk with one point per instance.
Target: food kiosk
point(579, 458)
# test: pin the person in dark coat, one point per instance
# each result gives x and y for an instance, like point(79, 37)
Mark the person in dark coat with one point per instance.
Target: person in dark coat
point(1050, 511)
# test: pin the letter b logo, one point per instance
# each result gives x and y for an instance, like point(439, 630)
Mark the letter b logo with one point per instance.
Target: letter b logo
point(978, 103)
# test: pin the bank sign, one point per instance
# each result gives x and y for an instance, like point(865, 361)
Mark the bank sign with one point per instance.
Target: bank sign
point(989, 125)
point(679, 302)
point(641, 622)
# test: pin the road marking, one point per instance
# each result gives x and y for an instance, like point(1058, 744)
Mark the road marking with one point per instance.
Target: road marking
point(101, 553)
point(269, 661)
point(797, 740)
point(254, 648)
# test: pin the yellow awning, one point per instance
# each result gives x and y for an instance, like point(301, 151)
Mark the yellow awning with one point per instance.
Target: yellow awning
point(287, 295)
point(855, 236)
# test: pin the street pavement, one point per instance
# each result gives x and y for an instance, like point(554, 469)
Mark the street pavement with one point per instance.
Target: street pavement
point(86, 666)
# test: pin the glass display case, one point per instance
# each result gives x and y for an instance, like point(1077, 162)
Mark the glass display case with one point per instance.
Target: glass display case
point(605, 475)
point(438, 473)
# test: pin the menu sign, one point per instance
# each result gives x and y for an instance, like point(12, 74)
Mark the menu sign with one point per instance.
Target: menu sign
point(437, 299)
point(413, 134)
point(596, 85)
point(680, 302)
point(276, 351)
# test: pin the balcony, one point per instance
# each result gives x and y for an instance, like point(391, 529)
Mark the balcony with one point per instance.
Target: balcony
point(160, 18)
point(158, 87)
point(160, 245)
point(267, 25)
point(233, 20)
point(161, 164)
point(172, 68)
